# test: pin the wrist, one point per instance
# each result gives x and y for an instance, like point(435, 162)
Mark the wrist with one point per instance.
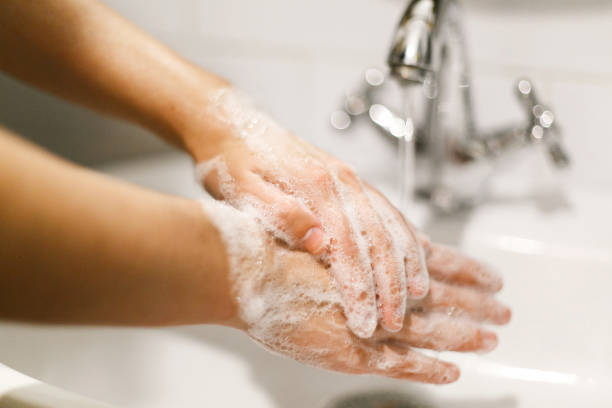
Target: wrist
point(197, 126)
point(208, 296)
point(249, 256)
point(225, 119)
point(181, 111)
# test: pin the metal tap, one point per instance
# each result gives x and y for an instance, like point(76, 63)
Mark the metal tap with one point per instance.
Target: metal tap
point(429, 52)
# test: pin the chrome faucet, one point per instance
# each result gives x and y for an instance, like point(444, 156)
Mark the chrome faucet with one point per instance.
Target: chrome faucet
point(429, 54)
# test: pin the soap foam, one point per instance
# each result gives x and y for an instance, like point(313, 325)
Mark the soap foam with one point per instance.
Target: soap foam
point(272, 310)
point(289, 316)
point(362, 318)
point(247, 123)
point(406, 243)
point(268, 215)
point(308, 176)
point(448, 262)
point(291, 307)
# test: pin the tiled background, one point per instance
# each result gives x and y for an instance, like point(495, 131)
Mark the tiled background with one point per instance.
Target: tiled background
point(297, 57)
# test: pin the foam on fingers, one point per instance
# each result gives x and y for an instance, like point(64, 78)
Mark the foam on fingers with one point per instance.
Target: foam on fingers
point(273, 172)
point(406, 244)
point(387, 264)
point(441, 332)
point(272, 308)
point(290, 305)
point(405, 363)
point(282, 215)
point(475, 304)
point(449, 264)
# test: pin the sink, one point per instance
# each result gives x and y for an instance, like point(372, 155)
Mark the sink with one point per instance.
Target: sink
point(556, 259)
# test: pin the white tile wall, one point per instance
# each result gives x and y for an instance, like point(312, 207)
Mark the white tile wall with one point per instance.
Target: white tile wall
point(587, 129)
point(296, 58)
point(565, 43)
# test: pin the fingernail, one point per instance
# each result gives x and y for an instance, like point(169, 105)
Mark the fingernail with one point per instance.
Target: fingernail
point(504, 315)
point(313, 240)
point(452, 374)
point(489, 341)
point(444, 373)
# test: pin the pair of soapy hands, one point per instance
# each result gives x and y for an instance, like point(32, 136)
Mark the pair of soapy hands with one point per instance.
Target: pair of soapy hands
point(396, 289)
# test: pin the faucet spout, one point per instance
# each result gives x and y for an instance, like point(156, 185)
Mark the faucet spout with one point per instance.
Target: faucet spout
point(416, 50)
point(429, 60)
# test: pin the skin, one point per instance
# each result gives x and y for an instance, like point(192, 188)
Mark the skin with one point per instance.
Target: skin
point(82, 248)
point(86, 53)
point(78, 247)
point(396, 277)
point(450, 317)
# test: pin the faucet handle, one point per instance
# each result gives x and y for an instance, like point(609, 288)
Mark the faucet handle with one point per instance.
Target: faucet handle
point(541, 123)
point(526, 93)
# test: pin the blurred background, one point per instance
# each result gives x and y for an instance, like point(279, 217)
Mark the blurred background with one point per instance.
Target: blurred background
point(297, 58)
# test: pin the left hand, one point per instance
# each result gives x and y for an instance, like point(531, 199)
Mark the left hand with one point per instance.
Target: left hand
point(288, 303)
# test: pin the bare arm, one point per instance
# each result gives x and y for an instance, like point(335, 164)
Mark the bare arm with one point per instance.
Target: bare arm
point(83, 51)
point(78, 247)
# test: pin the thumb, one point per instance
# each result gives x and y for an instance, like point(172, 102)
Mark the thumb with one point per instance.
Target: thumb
point(283, 215)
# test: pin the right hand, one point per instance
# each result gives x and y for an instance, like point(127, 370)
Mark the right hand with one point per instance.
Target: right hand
point(288, 303)
point(315, 202)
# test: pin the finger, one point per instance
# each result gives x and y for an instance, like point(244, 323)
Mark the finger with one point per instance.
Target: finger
point(417, 277)
point(350, 265)
point(345, 250)
point(354, 280)
point(285, 216)
point(385, 258)
point(408, 364)
point(443, 333)
point(330, 345)
point(458, 300)
point(450, 265)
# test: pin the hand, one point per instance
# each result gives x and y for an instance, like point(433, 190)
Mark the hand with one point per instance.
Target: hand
point(314, 202)
point(288, 303)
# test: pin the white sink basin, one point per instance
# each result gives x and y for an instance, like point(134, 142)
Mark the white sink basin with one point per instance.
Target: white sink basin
point(556, 352)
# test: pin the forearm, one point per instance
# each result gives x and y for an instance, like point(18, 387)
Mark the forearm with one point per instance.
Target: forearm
point(78, 247)
point(83, 51)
